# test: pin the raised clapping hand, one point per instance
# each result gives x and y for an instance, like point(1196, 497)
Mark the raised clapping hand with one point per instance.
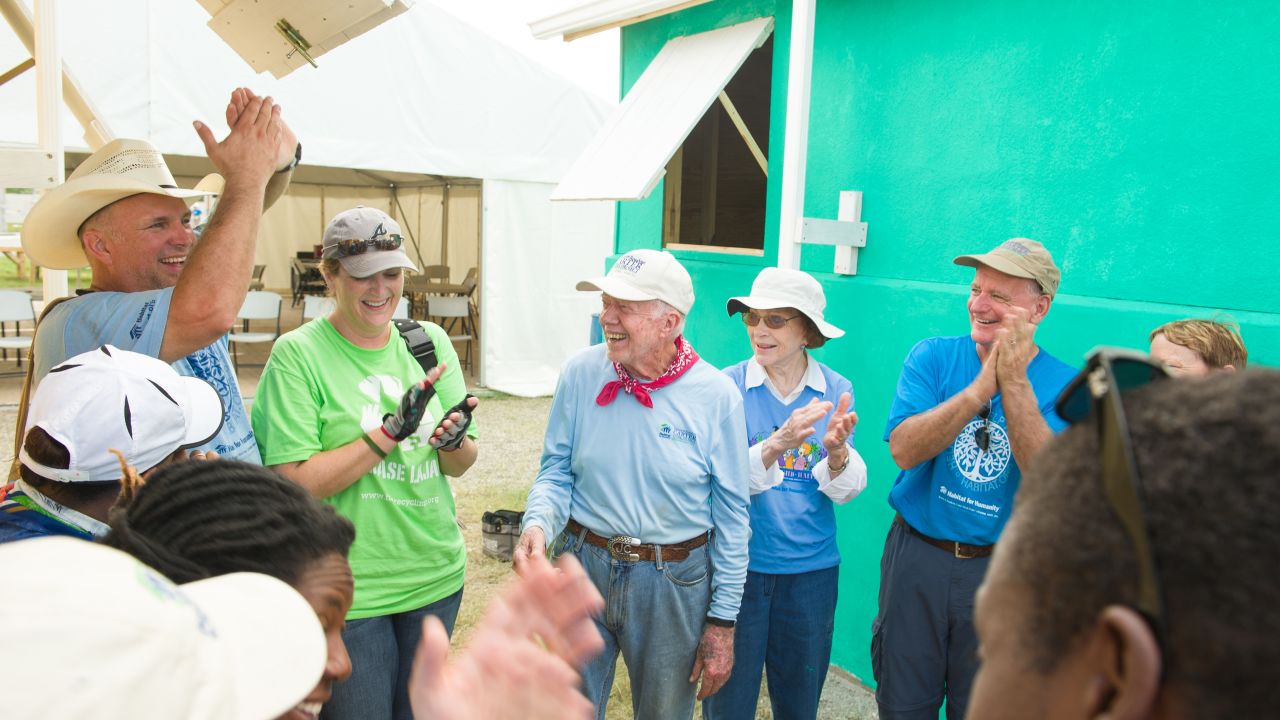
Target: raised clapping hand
point(1015, 346)
point(249, 152)
point(448, 433)
point(800, 426)
point(523, 659)
point(412, 408)
point(839, 428)
point(288, 144)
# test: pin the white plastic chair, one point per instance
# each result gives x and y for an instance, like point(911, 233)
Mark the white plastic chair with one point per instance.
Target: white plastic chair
point(454, 315)
point(314, 306)
point(258, 305)
point(16, 308)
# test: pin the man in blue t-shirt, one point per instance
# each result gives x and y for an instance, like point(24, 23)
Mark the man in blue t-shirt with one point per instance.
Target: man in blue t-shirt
point(156, 290)
point(970, 412)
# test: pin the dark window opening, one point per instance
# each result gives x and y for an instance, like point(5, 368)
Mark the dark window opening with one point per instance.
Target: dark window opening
point(715, 188)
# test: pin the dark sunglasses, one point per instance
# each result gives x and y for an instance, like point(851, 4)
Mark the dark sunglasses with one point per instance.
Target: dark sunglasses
point(773, 322)
point(347, 248)
point(1098, 390)
point(982, 433)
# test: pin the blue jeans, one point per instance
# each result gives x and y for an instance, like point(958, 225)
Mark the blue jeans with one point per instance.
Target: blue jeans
point(654, 615)
point(784, 628)
point(923, 644)
point(381, 650)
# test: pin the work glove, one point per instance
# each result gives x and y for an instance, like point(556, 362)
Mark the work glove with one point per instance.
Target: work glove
point(451, 438)
point(408, 415)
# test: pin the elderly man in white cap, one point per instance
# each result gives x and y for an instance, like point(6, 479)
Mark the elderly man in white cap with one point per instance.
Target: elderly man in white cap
point(101, 401)
point(644, 480)
point(969, 415)
point(155, 289)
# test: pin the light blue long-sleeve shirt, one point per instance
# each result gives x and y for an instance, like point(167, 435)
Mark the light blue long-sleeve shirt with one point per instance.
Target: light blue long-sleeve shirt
point(663, 474)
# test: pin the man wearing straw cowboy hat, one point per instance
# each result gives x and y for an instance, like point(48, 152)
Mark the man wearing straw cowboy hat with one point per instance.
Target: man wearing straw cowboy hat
point(969, 414)
point(155, 289)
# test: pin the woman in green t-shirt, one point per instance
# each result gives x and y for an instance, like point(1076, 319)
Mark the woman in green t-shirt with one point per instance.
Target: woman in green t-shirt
point(343, 409)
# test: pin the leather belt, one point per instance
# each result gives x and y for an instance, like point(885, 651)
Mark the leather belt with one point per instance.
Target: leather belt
point(964, 551)
point(622, 547)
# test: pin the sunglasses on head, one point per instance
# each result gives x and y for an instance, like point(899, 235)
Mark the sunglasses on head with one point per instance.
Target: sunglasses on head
point(751, 318)
point(347, 248)
point(1098, 390)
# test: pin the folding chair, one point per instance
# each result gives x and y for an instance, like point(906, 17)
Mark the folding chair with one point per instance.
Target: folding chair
point(255, 282)
point(454, 314)
point(258, 305)
point(16, 308)
point(314, 306)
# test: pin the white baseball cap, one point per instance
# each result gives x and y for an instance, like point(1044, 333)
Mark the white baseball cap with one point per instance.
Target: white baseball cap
point(119, 169)
point(785, 288)
point(92, 632)
point(113, 399)
point(646, 275)
point(353, 238)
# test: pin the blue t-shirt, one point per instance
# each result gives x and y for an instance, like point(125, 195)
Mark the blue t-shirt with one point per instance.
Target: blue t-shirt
point(793, 524)
point(136, 321)
point(21, 519)
point(964, 494)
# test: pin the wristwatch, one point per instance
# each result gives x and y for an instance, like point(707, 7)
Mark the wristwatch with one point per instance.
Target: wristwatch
point(297, 158)
point(720, 622)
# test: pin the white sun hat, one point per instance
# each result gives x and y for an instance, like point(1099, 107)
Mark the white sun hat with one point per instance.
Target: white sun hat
point(785, 288)
point(112, 399)
point(92, 632)
point(118, 170)
point(642, 275)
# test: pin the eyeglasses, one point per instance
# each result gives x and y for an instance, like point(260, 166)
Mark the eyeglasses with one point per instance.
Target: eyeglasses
point(773, 322)
point(1098, 389)
point(347, 248)
point(982, 434)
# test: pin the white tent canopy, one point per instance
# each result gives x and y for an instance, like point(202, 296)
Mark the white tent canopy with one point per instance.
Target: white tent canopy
point(424, 93)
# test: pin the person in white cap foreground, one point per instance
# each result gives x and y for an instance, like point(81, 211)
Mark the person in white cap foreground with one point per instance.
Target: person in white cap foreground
point(155, 289)
point(969, 415)
point(93, 632)
point(644, 480)
point(800, 423)
point(95, 403)
point(343, 409)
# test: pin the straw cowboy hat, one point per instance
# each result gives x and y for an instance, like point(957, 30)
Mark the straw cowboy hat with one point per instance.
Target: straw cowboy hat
point(119, 169)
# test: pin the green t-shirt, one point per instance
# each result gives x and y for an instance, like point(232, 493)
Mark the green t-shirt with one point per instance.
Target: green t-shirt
point(319, 392)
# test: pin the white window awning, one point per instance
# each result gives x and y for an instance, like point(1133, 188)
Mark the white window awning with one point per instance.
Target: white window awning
point(629, 154)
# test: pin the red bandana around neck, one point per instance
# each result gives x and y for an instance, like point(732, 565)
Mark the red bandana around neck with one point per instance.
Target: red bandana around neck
point(685, 358)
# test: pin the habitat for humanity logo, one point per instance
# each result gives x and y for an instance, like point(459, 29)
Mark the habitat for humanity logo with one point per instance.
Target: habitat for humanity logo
point(666, 432)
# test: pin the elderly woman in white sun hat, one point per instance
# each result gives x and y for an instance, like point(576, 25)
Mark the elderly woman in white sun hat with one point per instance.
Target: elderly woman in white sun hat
point(800, 423)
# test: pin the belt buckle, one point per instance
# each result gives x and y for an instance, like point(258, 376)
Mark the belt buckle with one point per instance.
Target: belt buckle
point(963, 554)
point(620, 547)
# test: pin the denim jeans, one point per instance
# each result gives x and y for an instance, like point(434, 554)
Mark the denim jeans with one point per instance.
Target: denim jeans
point(381, 650)
point(654, 615)
point(784, 628)
point(923, 644)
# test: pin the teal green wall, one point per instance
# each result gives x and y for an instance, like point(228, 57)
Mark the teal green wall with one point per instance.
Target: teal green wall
point(1137, 140)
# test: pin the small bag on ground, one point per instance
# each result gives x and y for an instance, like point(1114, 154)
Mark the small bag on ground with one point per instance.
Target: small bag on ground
point(500, 530)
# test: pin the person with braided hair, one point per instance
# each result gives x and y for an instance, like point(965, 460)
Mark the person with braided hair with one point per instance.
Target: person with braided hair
point(343, 410)
point(195, 521)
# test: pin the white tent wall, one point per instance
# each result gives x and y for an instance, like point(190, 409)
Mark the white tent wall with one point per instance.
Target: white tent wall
point(535, 318)
point(425, 94)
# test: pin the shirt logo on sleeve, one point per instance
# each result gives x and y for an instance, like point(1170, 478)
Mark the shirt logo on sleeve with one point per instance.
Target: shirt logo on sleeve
point(144, 316)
